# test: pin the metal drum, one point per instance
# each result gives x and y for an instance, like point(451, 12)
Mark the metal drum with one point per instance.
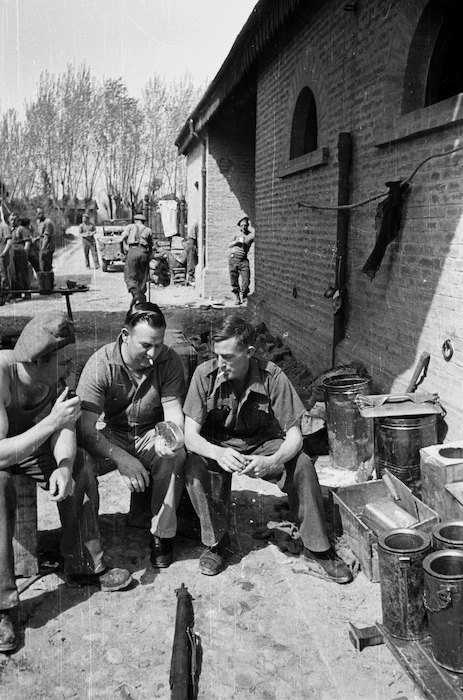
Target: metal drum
point(398, 445)
point(443, 598)
point(448, 535)
point(400, 556)
point(350, 436)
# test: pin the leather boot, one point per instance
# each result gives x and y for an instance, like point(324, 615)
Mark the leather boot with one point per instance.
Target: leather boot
point(8, 641)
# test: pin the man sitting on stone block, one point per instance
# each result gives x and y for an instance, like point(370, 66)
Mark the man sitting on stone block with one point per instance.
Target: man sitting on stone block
point(136, 383)
point(37, 439)
point(242, 416)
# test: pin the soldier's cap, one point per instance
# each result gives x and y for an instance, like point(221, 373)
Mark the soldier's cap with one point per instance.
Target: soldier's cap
point(139, 217)
point(42, 335)
point(245, 218)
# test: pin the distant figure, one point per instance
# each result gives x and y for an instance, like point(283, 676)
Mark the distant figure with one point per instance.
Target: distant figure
point(87, 232)
point(139, 241)
point(19, 263)
point(191, 248)
point(238, 263)
point(47, 241)
point(186, 257)
point(33, 253)
point(5, 236)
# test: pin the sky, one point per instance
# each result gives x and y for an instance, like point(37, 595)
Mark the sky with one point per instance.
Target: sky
point(132, 39)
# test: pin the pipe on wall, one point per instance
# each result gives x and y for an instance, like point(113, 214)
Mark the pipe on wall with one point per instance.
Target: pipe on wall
point(342, 237)
point(194, 134)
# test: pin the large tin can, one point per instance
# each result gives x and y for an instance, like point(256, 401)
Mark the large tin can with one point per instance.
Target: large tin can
point(400, 556)
point(350, 436)
point(443, 598)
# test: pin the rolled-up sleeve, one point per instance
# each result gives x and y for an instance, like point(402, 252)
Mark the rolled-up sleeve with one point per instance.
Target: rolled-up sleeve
point(195, 405)
point(172, 384)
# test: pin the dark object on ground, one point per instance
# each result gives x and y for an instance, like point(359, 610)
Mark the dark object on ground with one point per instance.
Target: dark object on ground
point(316, 443)
point(185, 650)
point(362, 637)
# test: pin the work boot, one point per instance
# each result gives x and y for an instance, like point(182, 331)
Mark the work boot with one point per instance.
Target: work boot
point(107, 581)
point(8, 641)
point(326, 565)
point(237, 300)
point(212, 560)
point(162, 551)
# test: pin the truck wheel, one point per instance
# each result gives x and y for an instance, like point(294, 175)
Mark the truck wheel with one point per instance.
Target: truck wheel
point(104, 265)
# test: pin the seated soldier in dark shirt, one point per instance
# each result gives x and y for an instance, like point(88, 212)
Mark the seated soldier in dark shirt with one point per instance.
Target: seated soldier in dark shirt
point(242, 416)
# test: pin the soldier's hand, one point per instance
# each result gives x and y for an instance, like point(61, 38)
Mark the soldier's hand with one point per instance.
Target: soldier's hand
point(229, 459)
point(134, 474)
point(65, 411)
point(162, 448)
point(61, 484)
point(259, 467)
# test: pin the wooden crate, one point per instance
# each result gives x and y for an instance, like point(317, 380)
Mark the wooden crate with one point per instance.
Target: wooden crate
point(25, 545)
point(363, 541)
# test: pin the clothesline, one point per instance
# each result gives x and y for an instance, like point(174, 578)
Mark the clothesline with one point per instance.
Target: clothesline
point(341, 207)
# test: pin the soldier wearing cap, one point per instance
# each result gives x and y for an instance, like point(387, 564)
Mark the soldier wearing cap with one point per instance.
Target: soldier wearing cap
point(37, 439)
point(238, 263)
point(138, 241)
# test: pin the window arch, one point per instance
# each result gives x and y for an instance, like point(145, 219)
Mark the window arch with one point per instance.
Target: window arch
point(304, 137)
point(434, 69)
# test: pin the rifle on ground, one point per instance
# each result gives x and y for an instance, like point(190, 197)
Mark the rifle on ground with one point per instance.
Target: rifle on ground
point(185, 649)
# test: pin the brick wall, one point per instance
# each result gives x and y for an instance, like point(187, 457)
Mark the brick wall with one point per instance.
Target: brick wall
point(357, 63)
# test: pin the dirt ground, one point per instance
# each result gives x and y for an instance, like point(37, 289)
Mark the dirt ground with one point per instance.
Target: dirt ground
point(268, 630)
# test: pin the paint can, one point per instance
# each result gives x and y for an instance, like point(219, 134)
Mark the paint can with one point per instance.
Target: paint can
point(400, 556)
point(398, 444)
point(443, 598)
point(350, 436)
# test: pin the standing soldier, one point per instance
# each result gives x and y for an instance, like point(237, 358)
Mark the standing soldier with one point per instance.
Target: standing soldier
point(139, 241)
point(87, 232)
point(238, 263)
point(47, 241)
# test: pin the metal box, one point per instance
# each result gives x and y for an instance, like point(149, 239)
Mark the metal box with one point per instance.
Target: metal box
point(363, 541)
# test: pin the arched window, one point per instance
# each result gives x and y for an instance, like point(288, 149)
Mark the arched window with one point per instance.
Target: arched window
point(304, 125)
point(435, 62)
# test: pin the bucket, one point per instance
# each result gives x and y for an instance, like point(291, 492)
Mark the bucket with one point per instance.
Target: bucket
point(45, 282)
point(448, 535)
point(398, 445)
point(400, 556)
point(443, 598)
point(350, 436)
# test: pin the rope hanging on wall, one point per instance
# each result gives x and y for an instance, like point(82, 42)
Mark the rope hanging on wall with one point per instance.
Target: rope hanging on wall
point(383, 194)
